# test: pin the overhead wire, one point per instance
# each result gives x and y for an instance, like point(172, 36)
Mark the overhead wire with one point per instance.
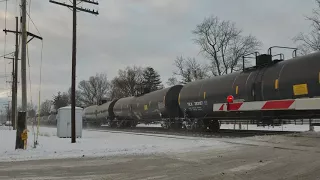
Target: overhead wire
point(33, 23)
point(6, 54)
point(30, 93)
point(41, 60)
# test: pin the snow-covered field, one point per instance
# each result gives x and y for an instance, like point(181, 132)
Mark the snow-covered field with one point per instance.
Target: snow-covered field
point(102, 143)
point(95, 143)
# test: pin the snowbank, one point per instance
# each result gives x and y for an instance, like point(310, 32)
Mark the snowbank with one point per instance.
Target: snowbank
point(96, 144)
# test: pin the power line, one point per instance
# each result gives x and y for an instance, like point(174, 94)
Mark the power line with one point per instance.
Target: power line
point(79, 8)
point(30, 84)
point(39, 94)
point(33, 24)
point(6, 54)
point(74, 55)
point(24, 40)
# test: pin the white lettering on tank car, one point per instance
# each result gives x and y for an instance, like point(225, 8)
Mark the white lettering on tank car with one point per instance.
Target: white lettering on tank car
point(198, 103)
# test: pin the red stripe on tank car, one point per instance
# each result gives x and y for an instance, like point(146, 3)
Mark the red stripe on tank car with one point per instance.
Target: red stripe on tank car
point(234, 106)
point(221, 108)
point(278, 104)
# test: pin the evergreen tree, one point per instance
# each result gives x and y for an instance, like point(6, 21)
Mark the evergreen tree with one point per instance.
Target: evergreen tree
point(78, 97)
point(60, 100)
point(151, 80)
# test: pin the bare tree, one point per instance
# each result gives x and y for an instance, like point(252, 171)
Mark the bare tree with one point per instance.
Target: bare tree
point(172, 81)
point(190, 70)
point(78, 98)
point(127, 83)
point(3, 117)
point(222, 43)
point(311, 41)
point(92, 91)
point(45, 108)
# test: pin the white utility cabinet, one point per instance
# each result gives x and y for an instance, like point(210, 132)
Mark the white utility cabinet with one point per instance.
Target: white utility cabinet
point(64, 122)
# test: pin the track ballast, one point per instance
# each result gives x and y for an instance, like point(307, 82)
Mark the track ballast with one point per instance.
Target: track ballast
point(222, 133)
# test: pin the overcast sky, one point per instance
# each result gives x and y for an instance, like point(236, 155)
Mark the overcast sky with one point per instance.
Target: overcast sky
point(138, 32)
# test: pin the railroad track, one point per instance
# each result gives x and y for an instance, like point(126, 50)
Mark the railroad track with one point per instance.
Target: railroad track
point(222, 133)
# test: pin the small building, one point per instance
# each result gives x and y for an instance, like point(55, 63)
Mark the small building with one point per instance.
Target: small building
point(64, 122)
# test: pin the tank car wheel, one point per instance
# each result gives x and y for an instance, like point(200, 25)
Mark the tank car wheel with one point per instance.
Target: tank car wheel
point(119, 124)
point(200, 125)
point(134, 124)
point(214, 126)
point(175, 125)
point(112, 124)
point(128, 124)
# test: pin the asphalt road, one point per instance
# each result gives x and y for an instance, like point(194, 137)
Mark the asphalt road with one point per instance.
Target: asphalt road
point(278, 158)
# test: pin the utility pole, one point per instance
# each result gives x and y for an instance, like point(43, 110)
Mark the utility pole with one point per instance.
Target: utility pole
point(24, 55)
point(13, 107)
point(74, 57)
point(16, 56)
point(14, 77)
point(21, 125)
point(9, 118)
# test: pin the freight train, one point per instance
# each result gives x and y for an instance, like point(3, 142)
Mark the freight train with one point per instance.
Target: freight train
point(190, 106)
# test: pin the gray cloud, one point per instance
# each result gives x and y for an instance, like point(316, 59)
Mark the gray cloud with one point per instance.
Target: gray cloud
point(142, 32)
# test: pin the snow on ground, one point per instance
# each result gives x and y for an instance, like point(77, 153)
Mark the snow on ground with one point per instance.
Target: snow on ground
point(149, 125)
point(142, 125)
point(103, 143)
point(95, 143)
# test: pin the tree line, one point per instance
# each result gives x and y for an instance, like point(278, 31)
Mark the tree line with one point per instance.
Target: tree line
point(220, 42)
point(131, 81)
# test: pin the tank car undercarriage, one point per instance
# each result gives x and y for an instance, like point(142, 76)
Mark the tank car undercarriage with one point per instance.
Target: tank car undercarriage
point(121, 123)
point(88, 124)
point(175, 124)
point(195, 124)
